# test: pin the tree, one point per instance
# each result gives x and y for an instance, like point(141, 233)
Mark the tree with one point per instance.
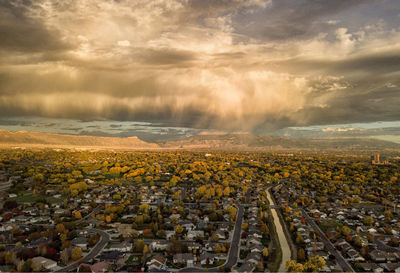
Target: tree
point(232, 213)
point(346, 230)
point(60, 228)
point(78, 187)
point(20, 266)
point(357, 241)
point(139, 246)
point(161, 234)
point(145, 249)
point(10, 257)
point(299, 239)
point(314, 264)
point(94, 239)
point(265, 252)
point(64, 256)
point(264, 229)
point(293, 266)
point(78, 215)
point(260, 267)
point(38, 178)
point(117, 197)
point(214, 238)
point(178, 229)
point(27, 266)
point(368, 220)
point(144, 208)
point(76, 253)
point(394, 242)
point(388, 214)
point(301, 256)
point(227, 191)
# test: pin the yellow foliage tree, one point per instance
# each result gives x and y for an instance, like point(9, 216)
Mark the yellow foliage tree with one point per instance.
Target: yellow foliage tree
point(76, 253)
point(178, 229)
point(78, 215)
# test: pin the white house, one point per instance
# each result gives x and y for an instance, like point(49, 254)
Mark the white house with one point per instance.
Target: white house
point(44, 262)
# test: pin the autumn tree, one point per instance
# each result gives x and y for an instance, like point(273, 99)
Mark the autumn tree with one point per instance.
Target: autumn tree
point(265, 252)
point(76, 253)
point(178, 229)
point(78, 215)
point(139, 246)
point(368, 220)
point(293, 266)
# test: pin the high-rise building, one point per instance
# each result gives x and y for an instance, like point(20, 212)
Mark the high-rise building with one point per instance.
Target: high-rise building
point(376, 159)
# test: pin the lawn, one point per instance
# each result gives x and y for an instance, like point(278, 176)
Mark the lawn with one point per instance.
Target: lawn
point(218, 263)
point(133, 259)
point(30, 198)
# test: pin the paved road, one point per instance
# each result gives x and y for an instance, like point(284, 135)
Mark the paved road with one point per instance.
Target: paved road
point(104, 239)
point(331, 248)
point(96, 209)
point(380, 245)
point(233, 253)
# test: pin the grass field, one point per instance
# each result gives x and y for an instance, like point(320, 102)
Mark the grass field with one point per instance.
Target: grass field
point(28, 197)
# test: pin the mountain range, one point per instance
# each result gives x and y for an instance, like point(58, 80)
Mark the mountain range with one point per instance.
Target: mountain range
point(232, 141)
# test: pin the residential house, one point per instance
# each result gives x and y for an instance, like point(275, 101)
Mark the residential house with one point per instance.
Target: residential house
point(169, 234)
point(193, 234)
point(253, 257)
point(184, 258)
point(158, 246)
point(124, 246)
point(391, 267)
point(45, 263)
point(244, 268)
point(207, 258)
point(157, 262)
point(81, 242)
point(378, 256)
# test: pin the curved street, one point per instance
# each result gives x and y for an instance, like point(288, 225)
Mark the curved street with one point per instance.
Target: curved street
point(104, 240)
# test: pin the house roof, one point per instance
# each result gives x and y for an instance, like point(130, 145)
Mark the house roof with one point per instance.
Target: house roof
point(207, 255)
point(159, 258)
point(183, 256)
point(79, 240)
point(99, 267)
point(246, 267)
point(111, 255)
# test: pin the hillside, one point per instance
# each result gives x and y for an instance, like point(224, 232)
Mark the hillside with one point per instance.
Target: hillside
point(201, 141)
point(39, 139)
point(264, 142)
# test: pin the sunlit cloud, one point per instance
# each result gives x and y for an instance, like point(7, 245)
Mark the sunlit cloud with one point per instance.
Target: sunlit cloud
point(227, 65)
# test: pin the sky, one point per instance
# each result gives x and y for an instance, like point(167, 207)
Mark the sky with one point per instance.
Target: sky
point(173, 68)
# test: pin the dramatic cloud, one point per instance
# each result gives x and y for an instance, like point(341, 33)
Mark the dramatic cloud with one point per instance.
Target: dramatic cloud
point(247, 65)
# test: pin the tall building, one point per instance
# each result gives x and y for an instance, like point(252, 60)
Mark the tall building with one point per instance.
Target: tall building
point(376, 159)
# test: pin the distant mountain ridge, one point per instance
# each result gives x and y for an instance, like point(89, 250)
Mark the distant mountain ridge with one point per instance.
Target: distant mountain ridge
point(39, 139)
point(241, 141)
point(266, 142)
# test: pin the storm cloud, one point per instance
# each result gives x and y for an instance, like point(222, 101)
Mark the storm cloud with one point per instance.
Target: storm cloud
point(229, 65)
